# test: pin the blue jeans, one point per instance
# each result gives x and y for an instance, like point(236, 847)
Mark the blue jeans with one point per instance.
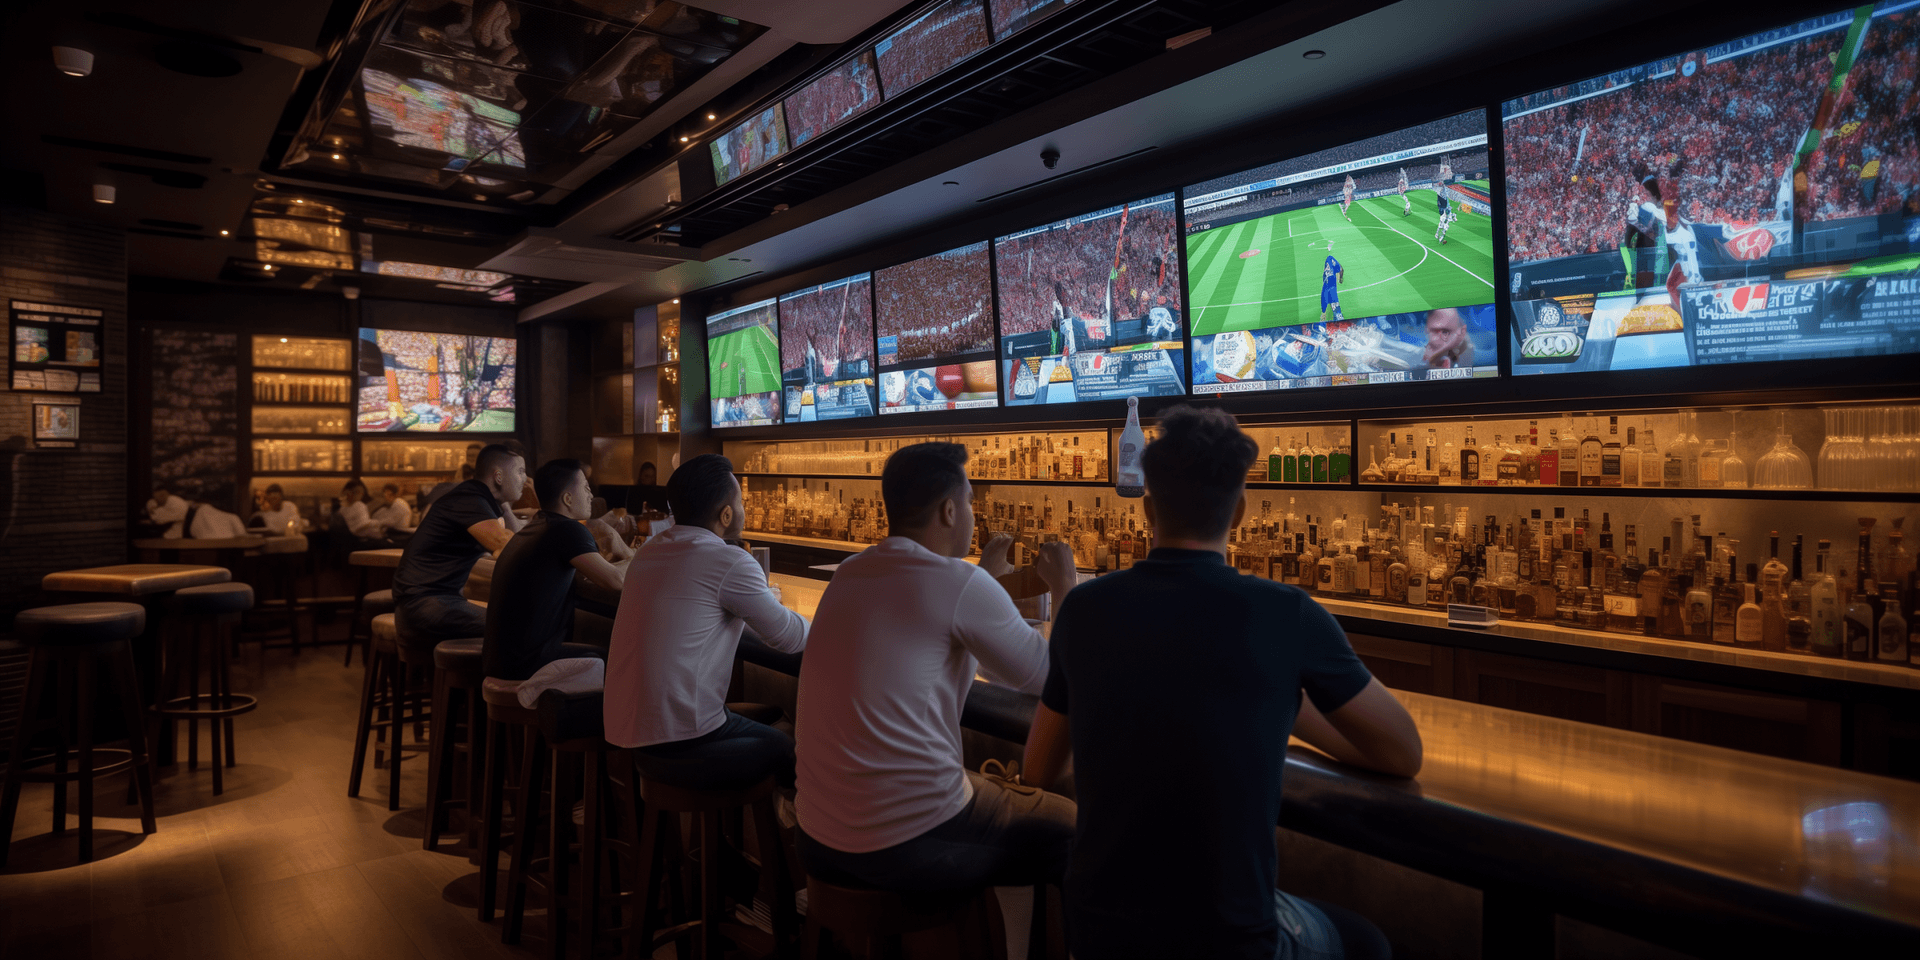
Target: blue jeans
point(1005, 837)
point(1305, 931)
point(739, 753)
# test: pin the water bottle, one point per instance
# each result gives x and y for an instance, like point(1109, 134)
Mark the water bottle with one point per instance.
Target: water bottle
point(1129, 479)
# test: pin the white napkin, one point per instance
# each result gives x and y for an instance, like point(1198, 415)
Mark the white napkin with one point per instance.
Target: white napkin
point(572, 675)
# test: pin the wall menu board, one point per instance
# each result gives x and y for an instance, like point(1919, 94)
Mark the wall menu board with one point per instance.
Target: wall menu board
point(826, 350)
point(934, 317)
point(1755, 200)
point(743, 365)
point(1366, 263)
point(1090, 307)
point(56, 348)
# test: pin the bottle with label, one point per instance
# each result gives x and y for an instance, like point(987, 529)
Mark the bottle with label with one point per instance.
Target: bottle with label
point(1507, 471)
point(1799, 606)
point(1429, 471)
point(1629, 461)
point(1623, 605)
point(1372, 473)
point(1651, 463)
point(1319, 466)
point(1129, 479)
point(1610, 455)
point(1469, 458)
point(1773, 596)
point(1828, 638)
point(1688, 443)
point(1892, 628)
point(1416, 577)
point(1653, 586)
point(1696, 606)
point(1590, 451)
point(1569, 453)
point(1746, 623)
point(1550, 460)
point(1729, 592)
point(1278, 461)
point(1530, 456)
point(1339, 462)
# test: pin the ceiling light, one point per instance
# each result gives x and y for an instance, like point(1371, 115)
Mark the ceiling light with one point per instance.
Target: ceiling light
point(299, 201)
point(683, 139)
point(336, 156)
point(676, 299)
point(283, 339)
point(223, 233)
point(712, 117)
point(73, 61)
point(103, 193)
point(1314, 54)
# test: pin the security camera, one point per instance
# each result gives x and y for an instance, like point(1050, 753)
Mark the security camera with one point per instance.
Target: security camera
point(1050, 157)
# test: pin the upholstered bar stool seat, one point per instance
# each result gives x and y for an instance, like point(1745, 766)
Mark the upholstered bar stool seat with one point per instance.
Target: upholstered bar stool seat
point(212, 600)
point(869, 923)
point(658, 809)
point(460, 730)
point(68, 645)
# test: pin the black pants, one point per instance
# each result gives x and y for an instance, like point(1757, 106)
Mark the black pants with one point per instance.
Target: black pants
point(740, 753)
point(1005, 837)
point(425, 621)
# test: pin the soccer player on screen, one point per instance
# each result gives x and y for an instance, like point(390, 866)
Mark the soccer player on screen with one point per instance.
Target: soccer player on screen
point(1446, 213)
point(1346, 197)
point(1404, 199)
point(1331, 276)
point(1659, 240)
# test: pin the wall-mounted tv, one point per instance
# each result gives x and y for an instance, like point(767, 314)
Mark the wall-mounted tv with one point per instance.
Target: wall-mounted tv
point(743, 365)
point(1090, 307)
point(434, 382)
point(749, 146)
point(934, 317)
point(1755, 200)
point(1366, 263)
point(930, 43)
point(847, 91)
point(826, 350)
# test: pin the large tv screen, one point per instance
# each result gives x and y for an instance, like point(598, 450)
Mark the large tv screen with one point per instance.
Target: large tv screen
point(826, 350)
point(743, 365)
point(934, 317)
point(749, 146)
point(1090, 307)
point(434, 382)
point(849, 90)
point(1751, 201)
point(1367, 263)
point(932, 42)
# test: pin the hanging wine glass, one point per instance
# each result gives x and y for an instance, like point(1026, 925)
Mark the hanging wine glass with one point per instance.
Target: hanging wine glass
point(1733, 470)
point(1786, 466)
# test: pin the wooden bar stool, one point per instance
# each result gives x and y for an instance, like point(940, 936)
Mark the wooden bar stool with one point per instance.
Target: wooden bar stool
point(658, 812)
point(869, 923)
point(460, 728)
point(365, 608)
point(280, 562)
point(509, 727)
point(573, 727)
point(204, 619)
point(68, 645)
point(384, 698)
point(412, 682)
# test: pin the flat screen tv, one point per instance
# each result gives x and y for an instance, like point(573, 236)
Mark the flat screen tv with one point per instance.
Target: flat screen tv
point(1755, 200)
point(1090, 307)
point(749, 146)
point(826, 350)
point(847, 91)
point(930, 43)
point(743, 365)
point(934, 317)
point(1366, 263)
point(434, 382)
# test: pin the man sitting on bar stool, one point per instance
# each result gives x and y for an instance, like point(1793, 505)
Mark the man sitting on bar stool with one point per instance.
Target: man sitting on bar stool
point(191, 519)
point(885, 800)
point(469, 522)
point(530, 613)
point(1182, 657)
point(675, 636)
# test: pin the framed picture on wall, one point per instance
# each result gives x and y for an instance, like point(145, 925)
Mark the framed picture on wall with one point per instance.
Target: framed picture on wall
point(57, 348)
point(56, 425)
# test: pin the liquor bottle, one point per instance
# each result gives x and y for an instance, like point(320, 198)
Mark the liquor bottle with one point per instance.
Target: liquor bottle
point(1339, 462)
point(1469, 458)
point(1550, 460)
point(1860, 618)
point(1429, 472)
point(1895, 562)
point(1673, 462)
point(1799, 606)
point(1416, 575)
point(1569, 453)
point(1319, 467)
point(1623, 605)
point(1697, 609)
point(1507, 471)
point(1449, 464)
point(1829, 637)
point(1129, 479)
point(1653, 586)
point(1652, 464)
point(1590, 449)
point(1672, 622)
point(1530, 456)
point(1746, 624)
point(1773, 596)
point(1610, 454)
point(1688, 445)
point(1630, 461)
point(1372, 473)
point(1892, 628)
point(1278, 461)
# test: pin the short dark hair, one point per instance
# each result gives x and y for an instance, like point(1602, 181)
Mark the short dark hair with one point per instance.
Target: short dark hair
point(551, 481)
point(492, 457)
point(355, 482)
point(1197, 471)
point(917, 477)
point(391, 486)
point(699, 488)
point(274, 488)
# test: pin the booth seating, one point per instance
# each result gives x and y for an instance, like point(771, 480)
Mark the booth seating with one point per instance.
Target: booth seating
point(204, 621)
point(69, 646)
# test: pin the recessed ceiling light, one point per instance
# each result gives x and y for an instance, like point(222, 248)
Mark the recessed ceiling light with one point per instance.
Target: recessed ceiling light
point(712, 117)
point(299, 201)
point(103, 193)
point(1314, 54)
point(223, 233)
point(336, 156)
point(283, 339)
point(72, 61)
point(676, 299)
point(683, 139)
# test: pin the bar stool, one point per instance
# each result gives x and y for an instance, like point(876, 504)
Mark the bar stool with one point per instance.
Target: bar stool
point(68, 645)
point(412, 681)
point(459, 727)
point(280, 559)
point(658, 811)
point(869, 922)
point(509, 728)
point(384, 697)
point(205, 617)
point(367, 607)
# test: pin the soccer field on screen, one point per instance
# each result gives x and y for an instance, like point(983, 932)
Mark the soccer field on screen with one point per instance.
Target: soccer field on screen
point(1266, 272)
point(752, 351)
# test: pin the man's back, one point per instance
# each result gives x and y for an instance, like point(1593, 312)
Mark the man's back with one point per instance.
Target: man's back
point(532, 614)
point(442, 552)
point(1181, 680)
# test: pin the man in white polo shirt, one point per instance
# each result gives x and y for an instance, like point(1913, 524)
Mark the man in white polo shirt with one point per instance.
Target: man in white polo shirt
point(689, 593)
point(884, 800)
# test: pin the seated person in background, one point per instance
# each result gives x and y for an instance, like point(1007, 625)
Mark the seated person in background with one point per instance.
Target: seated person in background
point(530, 613)
point(647, 495)
point(358, 519)
point(674, 640)
point(276, 514)
point(469, 522)
point(1184, 866)
point(392, 512)
point(884, 799)
point(191, 519)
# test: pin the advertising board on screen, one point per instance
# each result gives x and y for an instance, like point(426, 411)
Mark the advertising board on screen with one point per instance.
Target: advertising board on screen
point(434, 382)
point(934, 318)
point(743, 365)
point(1755, 200)
point(1367, 263)
point(1090, 307)
point(826, 350)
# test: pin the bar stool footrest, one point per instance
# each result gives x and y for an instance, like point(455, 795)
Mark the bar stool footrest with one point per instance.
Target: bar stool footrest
point(240, 703)
point(123, 760)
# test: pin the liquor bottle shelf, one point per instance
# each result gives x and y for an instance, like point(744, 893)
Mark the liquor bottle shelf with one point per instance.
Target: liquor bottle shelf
point(1720, 493)
point(331, 405)
point(261, 368)
point(977, 481)
point(304, 473)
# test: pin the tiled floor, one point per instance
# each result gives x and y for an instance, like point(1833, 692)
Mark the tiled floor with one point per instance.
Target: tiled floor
point(283, 864)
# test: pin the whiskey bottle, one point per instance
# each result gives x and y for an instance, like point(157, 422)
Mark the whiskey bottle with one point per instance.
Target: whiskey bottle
point(1469, 459)
point(1892, 628)
point(1746, 624)
point(1630, 462)
point(1799, 606)
point(1773, 596)
point(1569, 453)
point(1550, 460)
point(1860, 618)
point(1610, 455)
point(1697, 610)
point(1829, 637)
point(1652, 464)
point(1530, 455)
point(1590, 447)
point(1507, 472)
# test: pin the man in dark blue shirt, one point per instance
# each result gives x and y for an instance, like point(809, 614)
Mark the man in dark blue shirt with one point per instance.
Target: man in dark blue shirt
point(1181, 656)
point(530, 616)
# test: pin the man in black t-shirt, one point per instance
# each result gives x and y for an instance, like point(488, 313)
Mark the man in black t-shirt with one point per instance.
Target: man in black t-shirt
point(468, 522)
point(1181, 657)
point(530, 616)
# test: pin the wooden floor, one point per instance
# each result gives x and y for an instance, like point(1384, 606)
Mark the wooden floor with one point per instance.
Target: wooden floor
point(283, 864)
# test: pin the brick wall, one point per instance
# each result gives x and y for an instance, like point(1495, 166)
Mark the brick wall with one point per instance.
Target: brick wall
point(63, 508)
point(195, 415)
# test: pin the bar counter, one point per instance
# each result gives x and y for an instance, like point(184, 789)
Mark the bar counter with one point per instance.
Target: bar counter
point(1693, 846)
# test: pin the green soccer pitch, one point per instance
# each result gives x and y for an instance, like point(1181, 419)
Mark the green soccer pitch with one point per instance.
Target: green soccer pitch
point(751, 350)
point(1392, 262)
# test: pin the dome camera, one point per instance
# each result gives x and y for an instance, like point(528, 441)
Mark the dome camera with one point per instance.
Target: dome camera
point(1050, 156)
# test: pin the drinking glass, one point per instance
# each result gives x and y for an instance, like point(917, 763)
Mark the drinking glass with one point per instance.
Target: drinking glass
point(1733, 470)
point(1786, 466)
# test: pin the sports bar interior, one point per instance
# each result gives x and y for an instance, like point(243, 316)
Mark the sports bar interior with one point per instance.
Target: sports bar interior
point(272, 270)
